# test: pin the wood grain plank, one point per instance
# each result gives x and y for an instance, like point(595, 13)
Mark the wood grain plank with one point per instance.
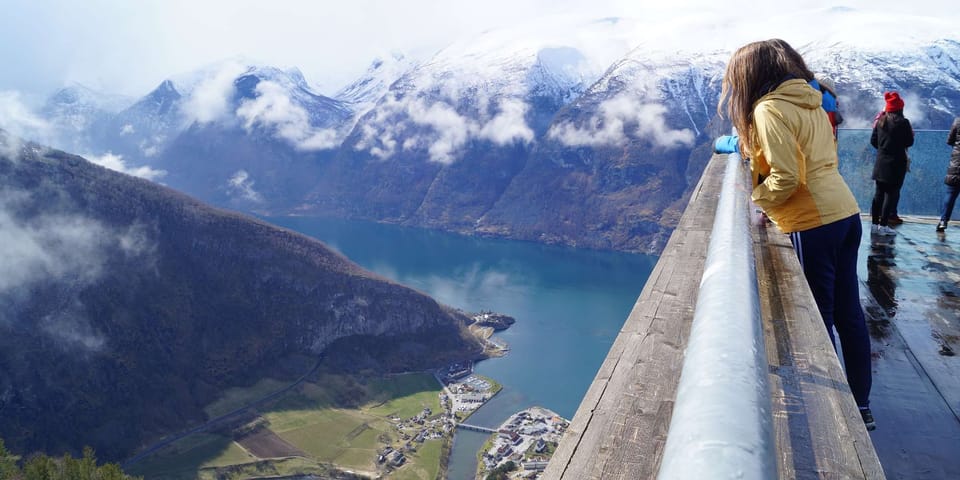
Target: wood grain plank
point(817, 425)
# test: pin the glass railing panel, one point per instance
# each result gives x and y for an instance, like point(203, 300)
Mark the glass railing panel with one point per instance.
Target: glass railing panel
point(923, 187)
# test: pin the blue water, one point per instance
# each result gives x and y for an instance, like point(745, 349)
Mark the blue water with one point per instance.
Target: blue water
point(569, 305)
point(923, 186)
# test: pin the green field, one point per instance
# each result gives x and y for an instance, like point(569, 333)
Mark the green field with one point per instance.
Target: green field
point(404, 395)
point(184, 458)
point(336, 420)
point(424, 465)
point(235, 398)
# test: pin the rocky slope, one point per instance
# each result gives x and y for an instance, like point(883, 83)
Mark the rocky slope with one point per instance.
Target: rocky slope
point(125, 306)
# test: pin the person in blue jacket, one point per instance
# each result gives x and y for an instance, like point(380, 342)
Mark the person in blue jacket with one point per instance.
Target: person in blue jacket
point(830, 104)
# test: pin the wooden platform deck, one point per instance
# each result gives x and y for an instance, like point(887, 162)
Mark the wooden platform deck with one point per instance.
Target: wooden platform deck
point(620, 429)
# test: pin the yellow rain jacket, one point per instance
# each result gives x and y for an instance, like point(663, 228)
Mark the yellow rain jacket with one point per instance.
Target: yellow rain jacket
point(794, 162)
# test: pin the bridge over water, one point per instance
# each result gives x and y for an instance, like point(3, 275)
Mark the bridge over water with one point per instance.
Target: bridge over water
point(911, 294)
point(476, 428)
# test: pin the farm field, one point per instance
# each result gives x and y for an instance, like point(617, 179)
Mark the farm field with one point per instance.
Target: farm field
point(329, 422)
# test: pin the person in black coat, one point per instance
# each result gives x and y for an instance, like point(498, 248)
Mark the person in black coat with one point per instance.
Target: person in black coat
point(952, 180)
point(892, 135)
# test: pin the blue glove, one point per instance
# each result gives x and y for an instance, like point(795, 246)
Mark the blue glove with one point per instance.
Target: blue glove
point(727, 144)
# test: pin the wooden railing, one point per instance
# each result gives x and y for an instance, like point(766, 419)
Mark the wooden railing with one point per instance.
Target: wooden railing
point(621, 428)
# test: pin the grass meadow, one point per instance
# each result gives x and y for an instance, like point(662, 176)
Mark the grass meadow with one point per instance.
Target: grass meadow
point(336, 420)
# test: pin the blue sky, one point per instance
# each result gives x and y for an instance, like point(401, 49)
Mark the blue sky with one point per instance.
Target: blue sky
point(130, 46)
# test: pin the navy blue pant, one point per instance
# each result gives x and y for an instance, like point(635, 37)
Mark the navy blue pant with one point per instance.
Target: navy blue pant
point(828, 255)
point(949, 199)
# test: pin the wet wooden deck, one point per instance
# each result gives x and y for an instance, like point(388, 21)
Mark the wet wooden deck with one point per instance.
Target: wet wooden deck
point(620, 429)
point(911, 296)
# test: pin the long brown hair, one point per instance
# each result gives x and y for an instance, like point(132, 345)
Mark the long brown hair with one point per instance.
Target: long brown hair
point(755, 70)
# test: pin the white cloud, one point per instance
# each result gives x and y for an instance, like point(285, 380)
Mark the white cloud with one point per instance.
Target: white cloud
point(653, 127)
point(210, 99)
point(17, 119)
point(509, 124)
point(448, 131)
point(241, 184)
point(80, 43)
point(10, 146)
point(273, 109)
point(127, 129)
point(69, 326)
point(48, 246)
point(914, 107)
point(68, 250)
point(116, 162)
point(149, 150)
point(608, 126)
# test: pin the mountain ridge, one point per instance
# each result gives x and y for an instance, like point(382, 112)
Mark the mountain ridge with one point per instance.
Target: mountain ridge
point(442, 143)
point(139, 304)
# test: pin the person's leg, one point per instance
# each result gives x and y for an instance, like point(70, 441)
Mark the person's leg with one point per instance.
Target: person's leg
point(848, 315)
point(949, 200)
point(877, 204)
point(891, 195)
point(817, 250)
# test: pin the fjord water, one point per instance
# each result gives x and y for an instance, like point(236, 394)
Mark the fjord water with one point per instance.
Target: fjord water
point(569, 305)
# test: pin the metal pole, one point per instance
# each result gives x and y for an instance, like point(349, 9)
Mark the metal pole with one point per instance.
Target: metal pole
point(721, 426)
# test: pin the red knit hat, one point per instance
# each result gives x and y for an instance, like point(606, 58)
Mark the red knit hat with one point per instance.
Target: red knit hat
point(894, 103)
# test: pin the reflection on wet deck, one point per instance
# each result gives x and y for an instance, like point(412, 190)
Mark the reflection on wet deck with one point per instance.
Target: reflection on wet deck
point(912, 301)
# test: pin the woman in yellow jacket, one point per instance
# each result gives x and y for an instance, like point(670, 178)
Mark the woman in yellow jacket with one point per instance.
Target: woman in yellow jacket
point(793, 157)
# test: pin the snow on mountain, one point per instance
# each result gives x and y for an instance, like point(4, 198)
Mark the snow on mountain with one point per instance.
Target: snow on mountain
point(75, 112)
point(77, 99)
point(364, 93)
point(501, 87)
point(228, 93)
point(925, 74)
point(642, 90)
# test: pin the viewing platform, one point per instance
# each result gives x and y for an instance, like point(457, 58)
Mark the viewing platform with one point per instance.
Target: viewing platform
point(910, 290)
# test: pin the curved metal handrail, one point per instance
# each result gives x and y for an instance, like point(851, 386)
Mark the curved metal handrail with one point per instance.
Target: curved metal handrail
point(721, 425)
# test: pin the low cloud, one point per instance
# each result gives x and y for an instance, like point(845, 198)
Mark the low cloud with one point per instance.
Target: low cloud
point(69, 326)
point(70, 251)
point(273, 109)
point(49, 246)
point(210, 99)
point(17, 119)
point(509, 124)
point(381, 146)
point(127, 130)
point(914, 107)
point(116, 162)
point(450, 129)
point(241, 185)
point(608, 127)
point(446, 130)
point(10, 146)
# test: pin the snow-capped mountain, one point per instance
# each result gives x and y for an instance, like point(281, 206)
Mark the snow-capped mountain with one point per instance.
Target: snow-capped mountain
point(255, 97)
point(363, 93)
point(925, 74)
point(77, 113)
point(584, 133)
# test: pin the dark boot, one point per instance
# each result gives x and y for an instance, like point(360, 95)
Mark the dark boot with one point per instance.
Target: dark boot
point(941, 226)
